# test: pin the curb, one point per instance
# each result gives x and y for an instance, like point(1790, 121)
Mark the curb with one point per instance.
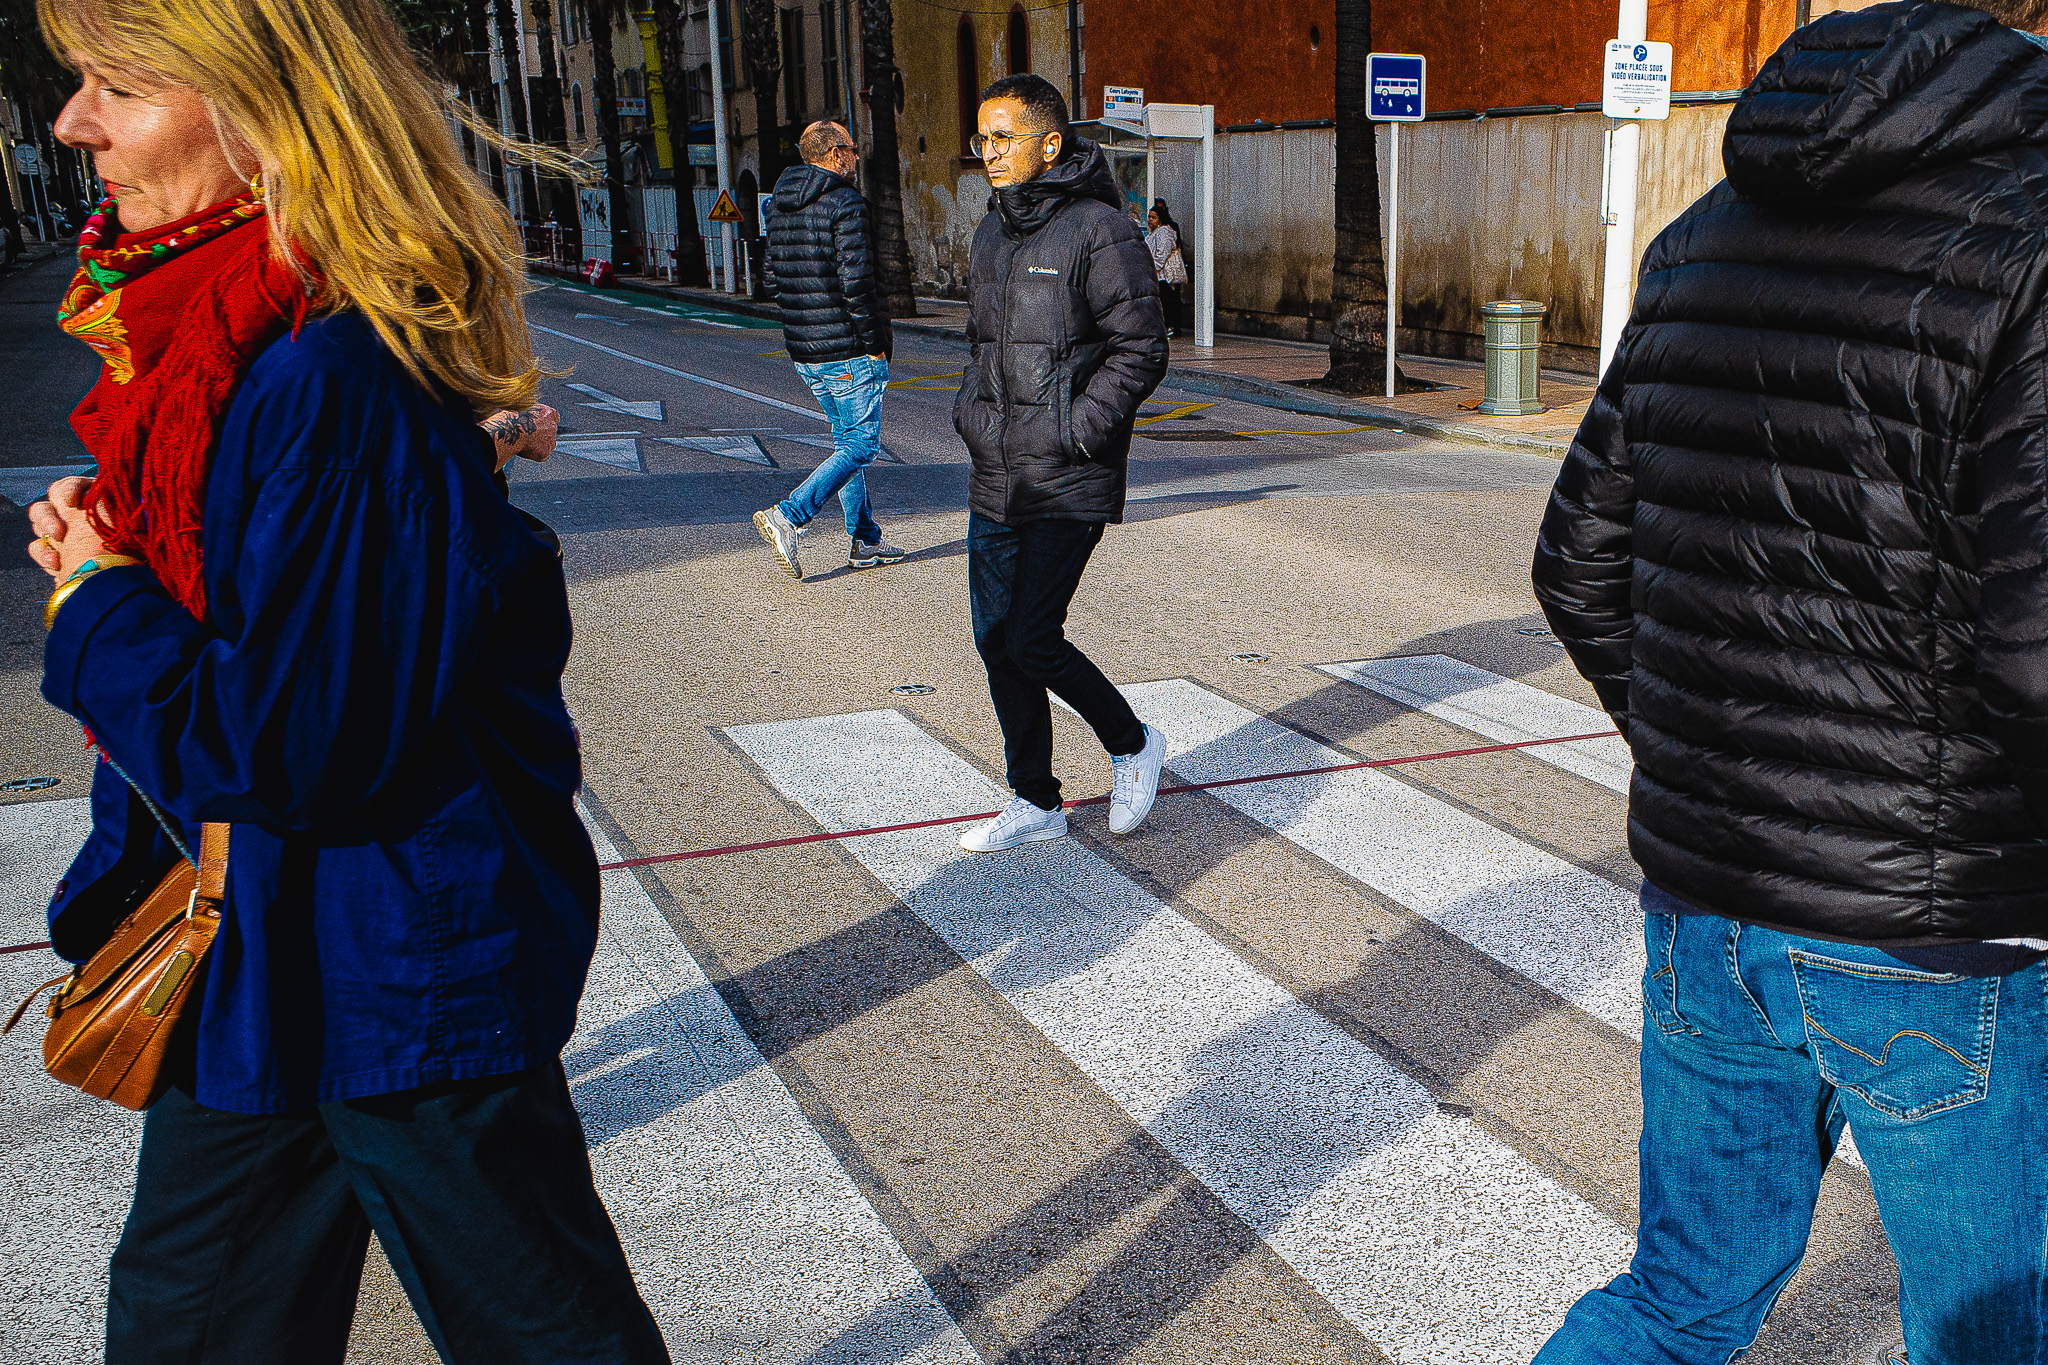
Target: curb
point(1266, 393)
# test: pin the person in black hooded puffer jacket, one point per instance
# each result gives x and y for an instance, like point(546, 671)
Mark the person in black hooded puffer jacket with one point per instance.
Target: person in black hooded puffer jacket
point(1068, 341)
point(1800, 549)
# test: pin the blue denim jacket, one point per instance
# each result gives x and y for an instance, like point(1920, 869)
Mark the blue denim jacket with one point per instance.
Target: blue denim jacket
point(376, 706)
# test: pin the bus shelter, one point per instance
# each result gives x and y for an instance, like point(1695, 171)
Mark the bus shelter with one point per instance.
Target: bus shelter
point(1183, 125)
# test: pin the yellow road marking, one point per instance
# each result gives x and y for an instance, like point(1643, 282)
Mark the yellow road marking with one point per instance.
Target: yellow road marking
point(920, 381)
point(1338, 431)
point(1171, 414)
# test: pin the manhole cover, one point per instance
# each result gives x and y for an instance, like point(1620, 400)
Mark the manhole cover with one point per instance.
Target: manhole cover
point(913, 689)
point(1252, 657)
point(28, 784)
point(1195, 436)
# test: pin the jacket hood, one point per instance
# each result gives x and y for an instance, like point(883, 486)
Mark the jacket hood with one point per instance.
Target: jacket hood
point(802, 185)
point(1860, 100)
point(1082, 174)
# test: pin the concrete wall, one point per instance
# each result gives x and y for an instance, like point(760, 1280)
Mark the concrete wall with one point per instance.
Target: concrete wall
point(1491, 209)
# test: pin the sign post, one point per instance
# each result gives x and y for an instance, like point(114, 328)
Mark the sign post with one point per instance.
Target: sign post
point(1635, 85)
point(715, 13)
point(1397, 85)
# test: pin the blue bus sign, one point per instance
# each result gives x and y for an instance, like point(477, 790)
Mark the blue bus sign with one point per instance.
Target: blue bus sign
point(1395, 82)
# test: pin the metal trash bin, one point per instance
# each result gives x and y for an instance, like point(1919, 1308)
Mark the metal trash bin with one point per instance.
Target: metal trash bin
point(1512, 373)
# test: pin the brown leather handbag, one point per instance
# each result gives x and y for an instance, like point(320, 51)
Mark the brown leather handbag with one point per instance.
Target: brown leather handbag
point(116, 1017)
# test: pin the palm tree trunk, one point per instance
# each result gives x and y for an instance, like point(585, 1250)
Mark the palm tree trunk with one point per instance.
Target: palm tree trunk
point(551, 127)
point(606, 87)
point(884, 179)
point(515, 90)
point(691, 264)
point(483, 95)
point(1358, 279)
point(764, 70)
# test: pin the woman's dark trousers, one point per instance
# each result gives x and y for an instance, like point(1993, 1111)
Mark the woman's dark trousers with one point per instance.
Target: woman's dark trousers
point(1020, 581)
point(1169, 303)
point(245, 1244)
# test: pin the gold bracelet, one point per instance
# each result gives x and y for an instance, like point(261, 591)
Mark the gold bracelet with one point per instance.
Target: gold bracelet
point(78, 576)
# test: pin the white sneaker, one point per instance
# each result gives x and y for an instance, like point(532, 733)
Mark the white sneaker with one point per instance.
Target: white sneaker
point(780, 533)
point(1022, 822)
point(1135, 783)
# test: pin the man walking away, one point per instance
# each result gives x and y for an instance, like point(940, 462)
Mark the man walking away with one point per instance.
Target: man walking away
point(822, 270)
point(1800, 548)
point(1067, 341)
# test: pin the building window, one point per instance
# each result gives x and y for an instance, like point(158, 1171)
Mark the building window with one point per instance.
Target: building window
point(725, 44)
point(572, 25)
point(828, 54)
point(1019, 42)
point(576, 111)
point(700, 94)
point(970, 82)
point(796, 102)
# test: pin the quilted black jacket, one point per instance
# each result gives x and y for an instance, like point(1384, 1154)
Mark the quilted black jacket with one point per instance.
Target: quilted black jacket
point(1800, 545)
point(821, 267)
point(1067, 341)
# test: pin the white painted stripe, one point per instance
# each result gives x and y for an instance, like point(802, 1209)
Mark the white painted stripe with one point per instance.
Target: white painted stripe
point(1555, 923)
point(1498, 708)
point(747, 1238)
point(709, 322)
point(811, 413)
point(704, 1158)
point(1439, 1242)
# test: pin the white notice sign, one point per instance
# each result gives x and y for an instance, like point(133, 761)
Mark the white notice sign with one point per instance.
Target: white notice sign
point(1124, 102)
point(1636, 81)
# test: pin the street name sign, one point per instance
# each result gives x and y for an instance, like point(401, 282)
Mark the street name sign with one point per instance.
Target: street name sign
point(725, 211)
point(703, 154)
point(1124, 102)
point(1636, 80)
point(1396, 85)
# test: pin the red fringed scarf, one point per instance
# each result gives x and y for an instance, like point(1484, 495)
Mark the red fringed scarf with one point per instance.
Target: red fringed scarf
point(177, 314)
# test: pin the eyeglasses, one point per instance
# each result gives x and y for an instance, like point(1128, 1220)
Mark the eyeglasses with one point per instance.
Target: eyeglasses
point(996, 146)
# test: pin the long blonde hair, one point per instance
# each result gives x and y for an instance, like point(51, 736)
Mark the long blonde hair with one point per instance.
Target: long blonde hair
point(360, 166)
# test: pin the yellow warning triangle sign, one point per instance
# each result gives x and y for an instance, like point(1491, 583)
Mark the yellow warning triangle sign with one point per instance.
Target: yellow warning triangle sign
point(724, 211)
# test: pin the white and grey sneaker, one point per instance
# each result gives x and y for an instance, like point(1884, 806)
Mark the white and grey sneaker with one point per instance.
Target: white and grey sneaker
point(780, 533)
point(1134, 783)
point(1022, 822)
point(867, 554)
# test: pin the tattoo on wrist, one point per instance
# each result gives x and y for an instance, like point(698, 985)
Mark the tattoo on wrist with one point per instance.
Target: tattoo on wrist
point(512, 426)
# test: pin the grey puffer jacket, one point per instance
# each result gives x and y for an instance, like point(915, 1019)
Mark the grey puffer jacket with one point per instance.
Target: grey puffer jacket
point(821, 267)
point(1067, 339)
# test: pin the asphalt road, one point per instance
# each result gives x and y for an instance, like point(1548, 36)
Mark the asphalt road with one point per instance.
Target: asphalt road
point(1335, 1068)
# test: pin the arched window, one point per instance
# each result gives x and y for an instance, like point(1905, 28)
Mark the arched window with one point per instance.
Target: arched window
point(1019, 42)
point(970, 81)
point(576, 108)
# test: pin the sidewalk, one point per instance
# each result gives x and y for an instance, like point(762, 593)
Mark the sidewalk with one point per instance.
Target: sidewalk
point(1268, 372)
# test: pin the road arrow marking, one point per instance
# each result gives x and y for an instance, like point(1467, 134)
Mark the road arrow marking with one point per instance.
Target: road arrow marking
point(649, 409)
point(599, 317)
point(748, 448)
point(620, 453)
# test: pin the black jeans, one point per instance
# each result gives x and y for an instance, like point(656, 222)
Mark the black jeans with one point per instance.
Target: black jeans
point(1169, 303)
point(245, 1244)
point(1020, 581)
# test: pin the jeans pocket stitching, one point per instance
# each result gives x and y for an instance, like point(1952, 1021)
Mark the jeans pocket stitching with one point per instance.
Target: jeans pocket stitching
point(1970, 1091)
point(1662, 1000)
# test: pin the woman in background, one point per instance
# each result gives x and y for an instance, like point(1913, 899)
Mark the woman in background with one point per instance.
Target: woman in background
point(294, 600)
point(1168, 262)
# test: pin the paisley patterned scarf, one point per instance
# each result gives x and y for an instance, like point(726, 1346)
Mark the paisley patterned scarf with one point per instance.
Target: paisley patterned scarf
point(177, 314)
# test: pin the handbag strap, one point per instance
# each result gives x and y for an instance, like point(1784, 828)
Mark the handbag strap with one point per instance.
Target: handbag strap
point(213, 862)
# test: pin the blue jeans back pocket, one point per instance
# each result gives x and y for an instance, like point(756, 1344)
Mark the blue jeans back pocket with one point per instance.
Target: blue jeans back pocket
point(1908, 1043)
point(1660, 974)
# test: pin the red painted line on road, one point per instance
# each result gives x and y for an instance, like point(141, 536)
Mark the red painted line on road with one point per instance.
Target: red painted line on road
point(826, 835)
point(23, 948)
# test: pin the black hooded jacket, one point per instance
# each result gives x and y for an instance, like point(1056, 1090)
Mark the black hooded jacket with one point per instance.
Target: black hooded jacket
point(821, 267)
point(1800, 545)
point(1067, 341)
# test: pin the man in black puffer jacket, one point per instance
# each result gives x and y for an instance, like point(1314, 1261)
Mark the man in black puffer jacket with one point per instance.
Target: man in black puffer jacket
point(1800, 548)
point(821, 266)
point(1067, 341)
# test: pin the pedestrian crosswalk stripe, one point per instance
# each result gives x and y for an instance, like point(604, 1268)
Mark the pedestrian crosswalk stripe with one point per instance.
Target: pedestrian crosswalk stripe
point(1498, 708)
point(1561, 926)
point(704, 1158)
point(709, 1165)
point(1439, 1242)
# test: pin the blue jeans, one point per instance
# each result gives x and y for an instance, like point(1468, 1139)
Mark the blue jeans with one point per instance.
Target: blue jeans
point(850, 392)
point(1757, 1046)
